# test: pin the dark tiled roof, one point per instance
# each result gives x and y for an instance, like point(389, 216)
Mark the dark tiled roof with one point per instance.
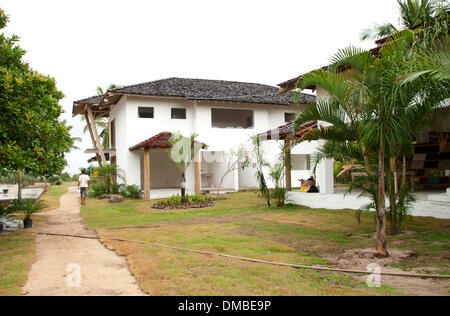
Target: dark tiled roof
point(215, 90)
point(286, 131)
point(160, 140)
point(291, 83)
point(95, 100)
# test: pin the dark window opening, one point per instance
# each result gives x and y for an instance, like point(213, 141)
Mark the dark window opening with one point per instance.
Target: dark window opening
point(113, 134)
point(289, 117)
point(178, 114)
point(231, 118)
point(145, 112)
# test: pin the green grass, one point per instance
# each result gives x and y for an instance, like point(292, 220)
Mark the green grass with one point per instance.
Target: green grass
point(17, 250)
point(243, 225)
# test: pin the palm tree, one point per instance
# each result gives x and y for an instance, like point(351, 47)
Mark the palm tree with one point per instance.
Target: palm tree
point(368, 110)
point(182, 153)
point(414, 14)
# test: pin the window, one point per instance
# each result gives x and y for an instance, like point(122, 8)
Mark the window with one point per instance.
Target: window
point(178, 114)
point(289, 117)
point(145, 112)
point(231, 118)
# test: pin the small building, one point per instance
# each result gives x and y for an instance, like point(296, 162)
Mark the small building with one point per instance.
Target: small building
point(224, 114)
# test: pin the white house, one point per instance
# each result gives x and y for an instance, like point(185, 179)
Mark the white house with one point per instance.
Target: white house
point(224, 114)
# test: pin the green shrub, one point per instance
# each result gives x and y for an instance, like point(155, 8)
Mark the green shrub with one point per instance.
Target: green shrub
point(30, 207)
point(15, 206)
point(177, 200)
point(133, 191)
point(118, 189)
point(65, 177)
point(98, 189)
point(58, 182)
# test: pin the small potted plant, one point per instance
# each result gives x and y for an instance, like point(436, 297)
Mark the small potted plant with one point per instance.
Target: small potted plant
point(29, 208)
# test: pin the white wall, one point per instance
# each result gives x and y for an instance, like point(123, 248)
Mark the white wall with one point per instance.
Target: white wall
point(130, 130)
point(324, 172)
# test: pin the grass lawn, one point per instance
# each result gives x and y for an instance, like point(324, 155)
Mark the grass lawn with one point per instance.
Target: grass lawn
point(243, 225)
point(17, 250)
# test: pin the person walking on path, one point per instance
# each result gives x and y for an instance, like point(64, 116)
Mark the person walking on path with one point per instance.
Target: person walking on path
point(83, 184)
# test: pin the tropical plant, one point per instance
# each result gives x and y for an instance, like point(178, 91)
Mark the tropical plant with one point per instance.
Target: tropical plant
point(234, 160)
point(29, 207)
point(276, 173)
point(117, 188)
point(414, 14)
point(133, 191)
point(260, 164)
point(107, 174)
point(370, 112)
point(182, 152)
point(98, 189)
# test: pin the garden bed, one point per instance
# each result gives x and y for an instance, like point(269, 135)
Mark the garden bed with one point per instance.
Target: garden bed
point(184, 202)
point(182, 206)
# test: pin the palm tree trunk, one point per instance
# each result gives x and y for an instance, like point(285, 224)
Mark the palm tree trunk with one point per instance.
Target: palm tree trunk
point(392, 196)
point(381, 243)
point(366, 160)
point(404, 171)
point(183, 184)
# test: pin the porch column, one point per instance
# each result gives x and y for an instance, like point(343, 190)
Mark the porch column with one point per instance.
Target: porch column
point(287, 165)
point(147, 173)
point(197, 173)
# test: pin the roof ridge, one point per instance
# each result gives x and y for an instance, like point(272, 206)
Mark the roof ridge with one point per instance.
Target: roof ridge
point(190, 79)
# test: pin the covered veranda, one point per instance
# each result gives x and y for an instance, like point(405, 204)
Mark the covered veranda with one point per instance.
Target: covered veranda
point(291, 137)
point(159, 175)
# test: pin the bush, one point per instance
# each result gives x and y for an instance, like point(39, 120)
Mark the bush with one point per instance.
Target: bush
point(58, 182)
point(65, 177)
point(133, 191)
point(118, 189)
point(53, 179)
point(29, 207)
point(188, 201)
point(98, 189)
point(15, 206)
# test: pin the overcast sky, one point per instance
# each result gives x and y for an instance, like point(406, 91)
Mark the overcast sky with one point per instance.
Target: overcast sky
point(90, 43)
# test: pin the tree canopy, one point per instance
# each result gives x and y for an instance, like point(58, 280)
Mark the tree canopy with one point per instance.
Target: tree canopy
point(32, 136)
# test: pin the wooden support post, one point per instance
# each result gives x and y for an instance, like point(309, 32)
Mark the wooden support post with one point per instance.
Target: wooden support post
point(287, 165)
point(197, 173)
point(91, 122)
point(86, 117)
point(147, 173)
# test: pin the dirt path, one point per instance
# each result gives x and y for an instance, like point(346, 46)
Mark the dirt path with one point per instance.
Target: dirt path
point(74, 266)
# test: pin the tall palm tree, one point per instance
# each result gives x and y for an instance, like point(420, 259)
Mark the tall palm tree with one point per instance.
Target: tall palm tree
point(414, 14)
point(182, 154)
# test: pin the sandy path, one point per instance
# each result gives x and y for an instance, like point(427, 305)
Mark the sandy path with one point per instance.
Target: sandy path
point(58, 259)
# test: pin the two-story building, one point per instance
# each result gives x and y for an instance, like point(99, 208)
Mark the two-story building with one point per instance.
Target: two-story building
point(224, 114)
